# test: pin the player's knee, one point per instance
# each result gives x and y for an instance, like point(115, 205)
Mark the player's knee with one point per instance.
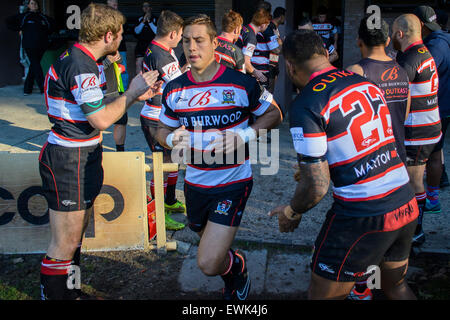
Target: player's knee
point(208, 265)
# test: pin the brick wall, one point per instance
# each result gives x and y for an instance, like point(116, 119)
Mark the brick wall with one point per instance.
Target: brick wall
point(354, 11)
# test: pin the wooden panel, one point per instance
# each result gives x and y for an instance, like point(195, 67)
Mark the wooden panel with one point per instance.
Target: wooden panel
point(119, 221)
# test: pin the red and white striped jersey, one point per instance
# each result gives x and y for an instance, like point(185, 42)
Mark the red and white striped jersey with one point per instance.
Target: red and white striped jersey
point(423, 125)
point(344, 117)
point(73, 90)
point(206, 109)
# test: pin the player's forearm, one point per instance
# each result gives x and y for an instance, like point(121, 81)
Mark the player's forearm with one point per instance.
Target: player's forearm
point(248, 65)
point(114, 109)
point(161, 136)
point(269, 120)
point(313, 182)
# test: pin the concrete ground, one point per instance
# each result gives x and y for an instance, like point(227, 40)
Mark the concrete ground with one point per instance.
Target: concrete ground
point(24, 127)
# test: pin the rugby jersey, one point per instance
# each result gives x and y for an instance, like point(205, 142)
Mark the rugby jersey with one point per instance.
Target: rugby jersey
point(344, 117)
point(423, 125)
point(393, 82)
point(266, 42)
point(207, 108)
point(230, 55)
point(247, 40)
point(326, 30)
point(164, 60)
point(73, 90)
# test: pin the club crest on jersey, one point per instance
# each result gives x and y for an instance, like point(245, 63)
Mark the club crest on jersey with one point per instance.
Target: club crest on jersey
point(228, 96)
point(223, 207)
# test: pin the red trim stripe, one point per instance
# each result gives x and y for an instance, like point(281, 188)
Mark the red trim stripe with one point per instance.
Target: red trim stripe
point(363, 154)
point(54, 181)
point(75, 140)
point(219, 72)
point(413, 44)
point(226, 85)
point(68, 120)
point(85, 50)
point(422, 125)
point(376, 177)
point(379, 196)
point(219, 185)
point(318, 73)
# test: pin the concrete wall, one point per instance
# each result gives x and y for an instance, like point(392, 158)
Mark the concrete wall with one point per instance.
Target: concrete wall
point(354, 11)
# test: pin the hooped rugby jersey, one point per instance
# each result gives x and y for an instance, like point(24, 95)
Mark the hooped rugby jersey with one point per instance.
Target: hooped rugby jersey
point(326, 30)
point(393, 82)
point(423, 125)
point(266, 42)
point(230, 55)
point(206, 109)
point(164, 60)
point(73, 90)
point(247, 40)
point(344, 117)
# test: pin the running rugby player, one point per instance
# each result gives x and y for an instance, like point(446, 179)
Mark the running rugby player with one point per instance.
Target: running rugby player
point(423, 126)
point(211, 97)
point(341, 128)
point(70, 163)
point(161, 57)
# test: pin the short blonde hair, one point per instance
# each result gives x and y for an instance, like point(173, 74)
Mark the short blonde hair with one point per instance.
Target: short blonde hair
point(97, 20)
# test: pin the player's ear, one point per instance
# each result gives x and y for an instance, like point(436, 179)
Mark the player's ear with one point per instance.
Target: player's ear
point(215, 43)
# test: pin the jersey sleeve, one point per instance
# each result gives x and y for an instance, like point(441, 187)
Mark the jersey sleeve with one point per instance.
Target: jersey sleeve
point(308, 132)
point(260, 98)
point(240, 60)
point(85, 84)
point(410, 70)
point(168, 116)
point(272, 39)
point(249, 44)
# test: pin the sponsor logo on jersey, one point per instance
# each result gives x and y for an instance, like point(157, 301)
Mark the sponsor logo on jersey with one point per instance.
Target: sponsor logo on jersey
point(202, 98)
point(390, 74)
point(228, 96)
point(223, 207)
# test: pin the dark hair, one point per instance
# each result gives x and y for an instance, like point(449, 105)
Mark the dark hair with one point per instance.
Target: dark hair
point(322, 10)
point(278, 12)
point(373, 37)
point(168, 21)
point(304, 21)
point(264, 5)
point(301, 45)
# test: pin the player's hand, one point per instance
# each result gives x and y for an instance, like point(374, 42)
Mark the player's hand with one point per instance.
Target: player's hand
point(154, 89)
point(113, 58)
point(181, 138)
point(284, 224)
point(259, 76)
point(226, 142)
point(142, 83)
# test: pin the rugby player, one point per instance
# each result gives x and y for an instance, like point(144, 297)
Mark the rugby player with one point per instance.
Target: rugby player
point(227, 53)
point(423, 126)
point(325, 28)
point(392, 79)
point(247, 42)
point(70, 163)
point(161, 57)
point(340, 125)
point(438, 43)
point(306, 24)
point(213, 101)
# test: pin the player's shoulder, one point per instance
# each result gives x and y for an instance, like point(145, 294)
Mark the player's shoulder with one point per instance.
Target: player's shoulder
point(238, 78)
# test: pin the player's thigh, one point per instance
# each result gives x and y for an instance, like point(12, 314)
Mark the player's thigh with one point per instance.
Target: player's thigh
point(67, 227)
point(393, 273)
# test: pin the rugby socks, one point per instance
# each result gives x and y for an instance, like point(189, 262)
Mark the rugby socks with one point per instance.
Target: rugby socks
point(152, 188)
point(76, 262)
point(433, 195)
point(171, 198)
point(227, 276)
point(421, 199)
point(120, 147)
point(361, 286)
point(54, 274)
